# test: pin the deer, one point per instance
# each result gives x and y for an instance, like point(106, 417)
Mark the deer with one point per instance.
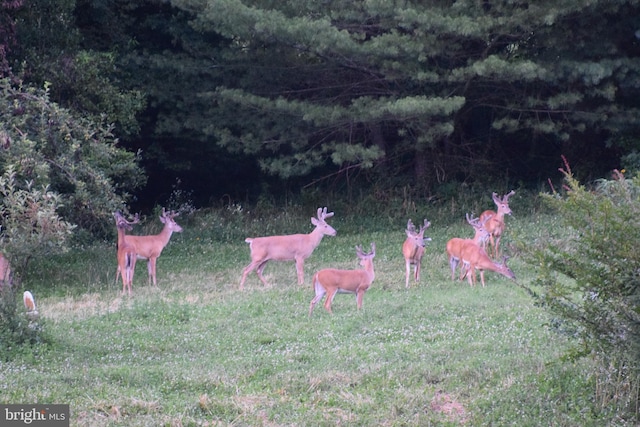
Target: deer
point(331, 281)
point(6, 276)
point(150, 247)
point(413, 250)
point(292, 247)
point(474, 258)
point(126, 254)
point(495, 225)
point(30, 305)
point(454, 245)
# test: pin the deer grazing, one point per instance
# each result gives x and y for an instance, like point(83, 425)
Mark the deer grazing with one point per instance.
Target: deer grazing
point(330, 281)
point(475, 258)
point(126, 252)
point(150, 247)
point(455, 245)
point(413, 250)
point(293, 247)
point(495, 225)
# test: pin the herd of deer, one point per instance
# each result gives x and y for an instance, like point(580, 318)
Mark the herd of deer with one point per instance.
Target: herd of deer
point(470, 255)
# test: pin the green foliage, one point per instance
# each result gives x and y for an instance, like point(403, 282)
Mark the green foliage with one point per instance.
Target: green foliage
point(590, 277)
point(31, 224)
point(53, 49)
point(18, 332)
point(431, 86)
point(50, 154)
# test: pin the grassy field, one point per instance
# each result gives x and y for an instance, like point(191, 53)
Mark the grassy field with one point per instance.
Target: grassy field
point(196, 351)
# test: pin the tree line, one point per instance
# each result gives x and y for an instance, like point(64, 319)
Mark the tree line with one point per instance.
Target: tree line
point(247, 98)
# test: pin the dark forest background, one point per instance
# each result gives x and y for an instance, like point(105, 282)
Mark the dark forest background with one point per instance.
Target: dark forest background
point(238, 100)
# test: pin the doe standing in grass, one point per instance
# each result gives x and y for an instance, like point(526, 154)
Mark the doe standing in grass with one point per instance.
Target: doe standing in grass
point(293, 247)
point(331, 281)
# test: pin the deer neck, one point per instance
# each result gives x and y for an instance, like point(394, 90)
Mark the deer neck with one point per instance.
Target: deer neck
point(368, 268)
point(121, 235)
point(315, 236)
point(165, 235)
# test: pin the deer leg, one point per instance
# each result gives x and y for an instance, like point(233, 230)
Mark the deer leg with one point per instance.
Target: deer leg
point(248, 269)
point(471, 275)
point(482, 277)
point(464, 270)
point(416, 271)
point(497, 252)
point(152, 270)
point(320, 291)
point(259, 271)
point(408, 273)
point(300, 270)
point(453, 263)
point(359, 298)
point(329, 299)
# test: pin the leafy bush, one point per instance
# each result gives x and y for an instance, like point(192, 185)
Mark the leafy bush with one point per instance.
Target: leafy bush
point(44, 145)
point(590, 279)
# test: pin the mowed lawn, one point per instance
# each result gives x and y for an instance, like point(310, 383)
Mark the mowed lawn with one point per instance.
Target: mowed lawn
point(197, 351)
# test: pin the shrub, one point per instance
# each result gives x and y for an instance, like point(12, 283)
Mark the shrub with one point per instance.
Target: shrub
point(590, 279)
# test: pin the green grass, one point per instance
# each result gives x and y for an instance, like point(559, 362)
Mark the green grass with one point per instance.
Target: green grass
point(197, 351)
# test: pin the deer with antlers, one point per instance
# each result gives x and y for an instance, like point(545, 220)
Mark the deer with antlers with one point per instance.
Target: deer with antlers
point(474, 258)
point(292, 247)
point(413, 250)
point(456, 244)
point(495, 221)
point(331, 281)
point(126, 254)
point(150, 247)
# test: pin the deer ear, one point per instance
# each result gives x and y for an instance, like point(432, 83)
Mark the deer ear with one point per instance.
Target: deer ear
point(314, 221)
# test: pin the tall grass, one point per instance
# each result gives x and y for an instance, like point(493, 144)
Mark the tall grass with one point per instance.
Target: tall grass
point(197, 351)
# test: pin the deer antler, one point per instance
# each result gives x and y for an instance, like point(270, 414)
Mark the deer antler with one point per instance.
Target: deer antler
point(170, 214)
point(410, 227)
point(505, 199)
point(471, 220)
point(322, 214)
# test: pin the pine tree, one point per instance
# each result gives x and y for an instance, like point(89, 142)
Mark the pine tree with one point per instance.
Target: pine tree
point(465, 87)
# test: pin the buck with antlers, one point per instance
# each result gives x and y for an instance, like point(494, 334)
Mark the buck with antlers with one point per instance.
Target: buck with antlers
point(126, 252)
point(150, 247)
point(475, 258)
point(331, 281)
point(413, 250)
point(455, 245)
point(495, 221)
point(293, 247)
